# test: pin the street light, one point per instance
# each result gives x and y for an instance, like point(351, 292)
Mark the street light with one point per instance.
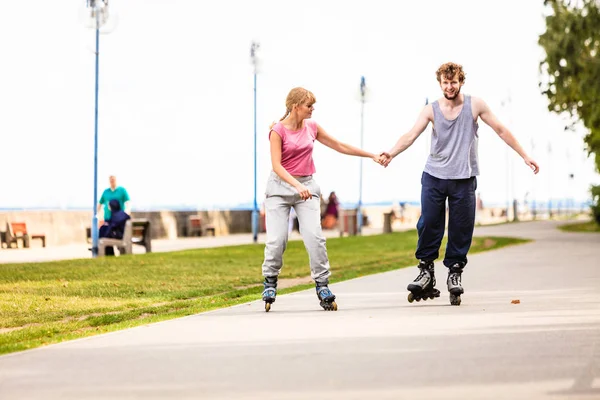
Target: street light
point(96, 17)
point(253, 49)
point(428, 137)
point(507, 104)
point(363, 88)
point(550, 180)
point(533, 192)
point(570, 176)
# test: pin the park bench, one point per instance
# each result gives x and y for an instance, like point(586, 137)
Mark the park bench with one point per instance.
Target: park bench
point(196, 227)
point(124, 245)
point(140, 234)
point(16, 231)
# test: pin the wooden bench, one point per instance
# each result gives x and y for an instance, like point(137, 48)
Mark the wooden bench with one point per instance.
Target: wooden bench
point(124, 245)
point(141, 234)
point(16, 231)
point(196, 227)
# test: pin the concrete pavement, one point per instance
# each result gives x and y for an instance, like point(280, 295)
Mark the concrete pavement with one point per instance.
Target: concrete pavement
point(376, 346)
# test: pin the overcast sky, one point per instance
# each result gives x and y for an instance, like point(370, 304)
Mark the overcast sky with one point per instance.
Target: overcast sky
point(176, 97)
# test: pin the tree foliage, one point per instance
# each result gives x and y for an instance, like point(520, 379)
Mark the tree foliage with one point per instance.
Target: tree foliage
point(571, 70)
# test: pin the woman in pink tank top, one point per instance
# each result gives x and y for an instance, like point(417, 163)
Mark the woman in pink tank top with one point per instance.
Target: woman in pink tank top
point(291, 185)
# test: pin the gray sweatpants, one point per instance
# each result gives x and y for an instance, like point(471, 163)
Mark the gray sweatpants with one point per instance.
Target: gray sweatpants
point(280, 197)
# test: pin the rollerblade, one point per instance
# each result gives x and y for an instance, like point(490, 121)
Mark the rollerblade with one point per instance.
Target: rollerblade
point(423, 287)
point(270, 291)
point(326, 298)
point(454, 283)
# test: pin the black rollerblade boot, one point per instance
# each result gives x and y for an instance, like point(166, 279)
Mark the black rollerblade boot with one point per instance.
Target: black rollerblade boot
point(423, 287)
point(326, 298)
point(454, 283)
point(270, 291)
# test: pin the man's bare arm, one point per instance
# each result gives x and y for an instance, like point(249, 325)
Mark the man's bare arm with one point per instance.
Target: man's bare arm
point(409, 138)
point(490, 119)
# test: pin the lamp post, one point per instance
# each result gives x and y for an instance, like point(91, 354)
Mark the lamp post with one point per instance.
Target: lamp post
point(550, 180)
point(363, 88)
point(428, 137)
point(98, 13)
point(570, 177)
point(533, 201)
point(253, 49)
point(507, 103)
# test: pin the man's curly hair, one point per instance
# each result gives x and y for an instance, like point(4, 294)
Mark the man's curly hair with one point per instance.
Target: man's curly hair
point(449, 70)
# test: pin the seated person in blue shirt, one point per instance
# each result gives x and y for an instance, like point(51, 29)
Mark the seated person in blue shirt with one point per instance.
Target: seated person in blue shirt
point(114, 227)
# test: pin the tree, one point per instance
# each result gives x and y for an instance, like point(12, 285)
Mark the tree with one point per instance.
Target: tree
point(571, 70)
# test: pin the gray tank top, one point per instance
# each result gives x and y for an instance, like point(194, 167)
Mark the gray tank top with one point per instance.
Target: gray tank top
point(453, 153)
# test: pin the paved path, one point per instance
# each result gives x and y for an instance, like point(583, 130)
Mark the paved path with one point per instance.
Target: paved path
point(377, 346)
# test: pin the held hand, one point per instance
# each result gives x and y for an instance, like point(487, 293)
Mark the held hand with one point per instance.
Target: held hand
point(532, 164)
point(382, 160)
point(378, 159)
point(303, 192)
point(386, 158)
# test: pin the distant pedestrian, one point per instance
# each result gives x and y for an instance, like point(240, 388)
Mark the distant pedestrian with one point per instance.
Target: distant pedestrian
point(113, 192)
point(332, 212)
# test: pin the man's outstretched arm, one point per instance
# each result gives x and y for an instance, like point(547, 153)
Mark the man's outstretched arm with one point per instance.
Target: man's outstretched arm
point(490, 119)
point(409, 138)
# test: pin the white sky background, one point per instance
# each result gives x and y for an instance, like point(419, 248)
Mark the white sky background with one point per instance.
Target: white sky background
point(176, 97)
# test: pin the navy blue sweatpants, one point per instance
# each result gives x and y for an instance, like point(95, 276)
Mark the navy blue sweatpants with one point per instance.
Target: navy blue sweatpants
point(432, 223)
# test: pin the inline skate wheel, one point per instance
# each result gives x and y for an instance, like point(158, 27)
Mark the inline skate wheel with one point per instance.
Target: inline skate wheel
point(411, 297)
point(455, 300)
point(267, 307)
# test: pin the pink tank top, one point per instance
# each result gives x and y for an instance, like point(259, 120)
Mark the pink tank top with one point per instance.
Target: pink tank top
point(297, 148)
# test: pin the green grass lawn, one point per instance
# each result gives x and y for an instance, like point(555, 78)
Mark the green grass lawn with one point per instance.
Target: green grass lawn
point(589, 226)
point(43, 303)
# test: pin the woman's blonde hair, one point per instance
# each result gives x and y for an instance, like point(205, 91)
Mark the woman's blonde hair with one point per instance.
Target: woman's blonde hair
point(297, 96)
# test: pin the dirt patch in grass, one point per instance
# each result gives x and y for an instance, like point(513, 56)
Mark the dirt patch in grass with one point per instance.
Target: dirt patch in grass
point(291, 282)
point(489, 243)
point(6, 330)
point(283, 283)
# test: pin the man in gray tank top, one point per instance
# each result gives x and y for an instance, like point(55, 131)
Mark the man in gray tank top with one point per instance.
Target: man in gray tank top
point(449, 174)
